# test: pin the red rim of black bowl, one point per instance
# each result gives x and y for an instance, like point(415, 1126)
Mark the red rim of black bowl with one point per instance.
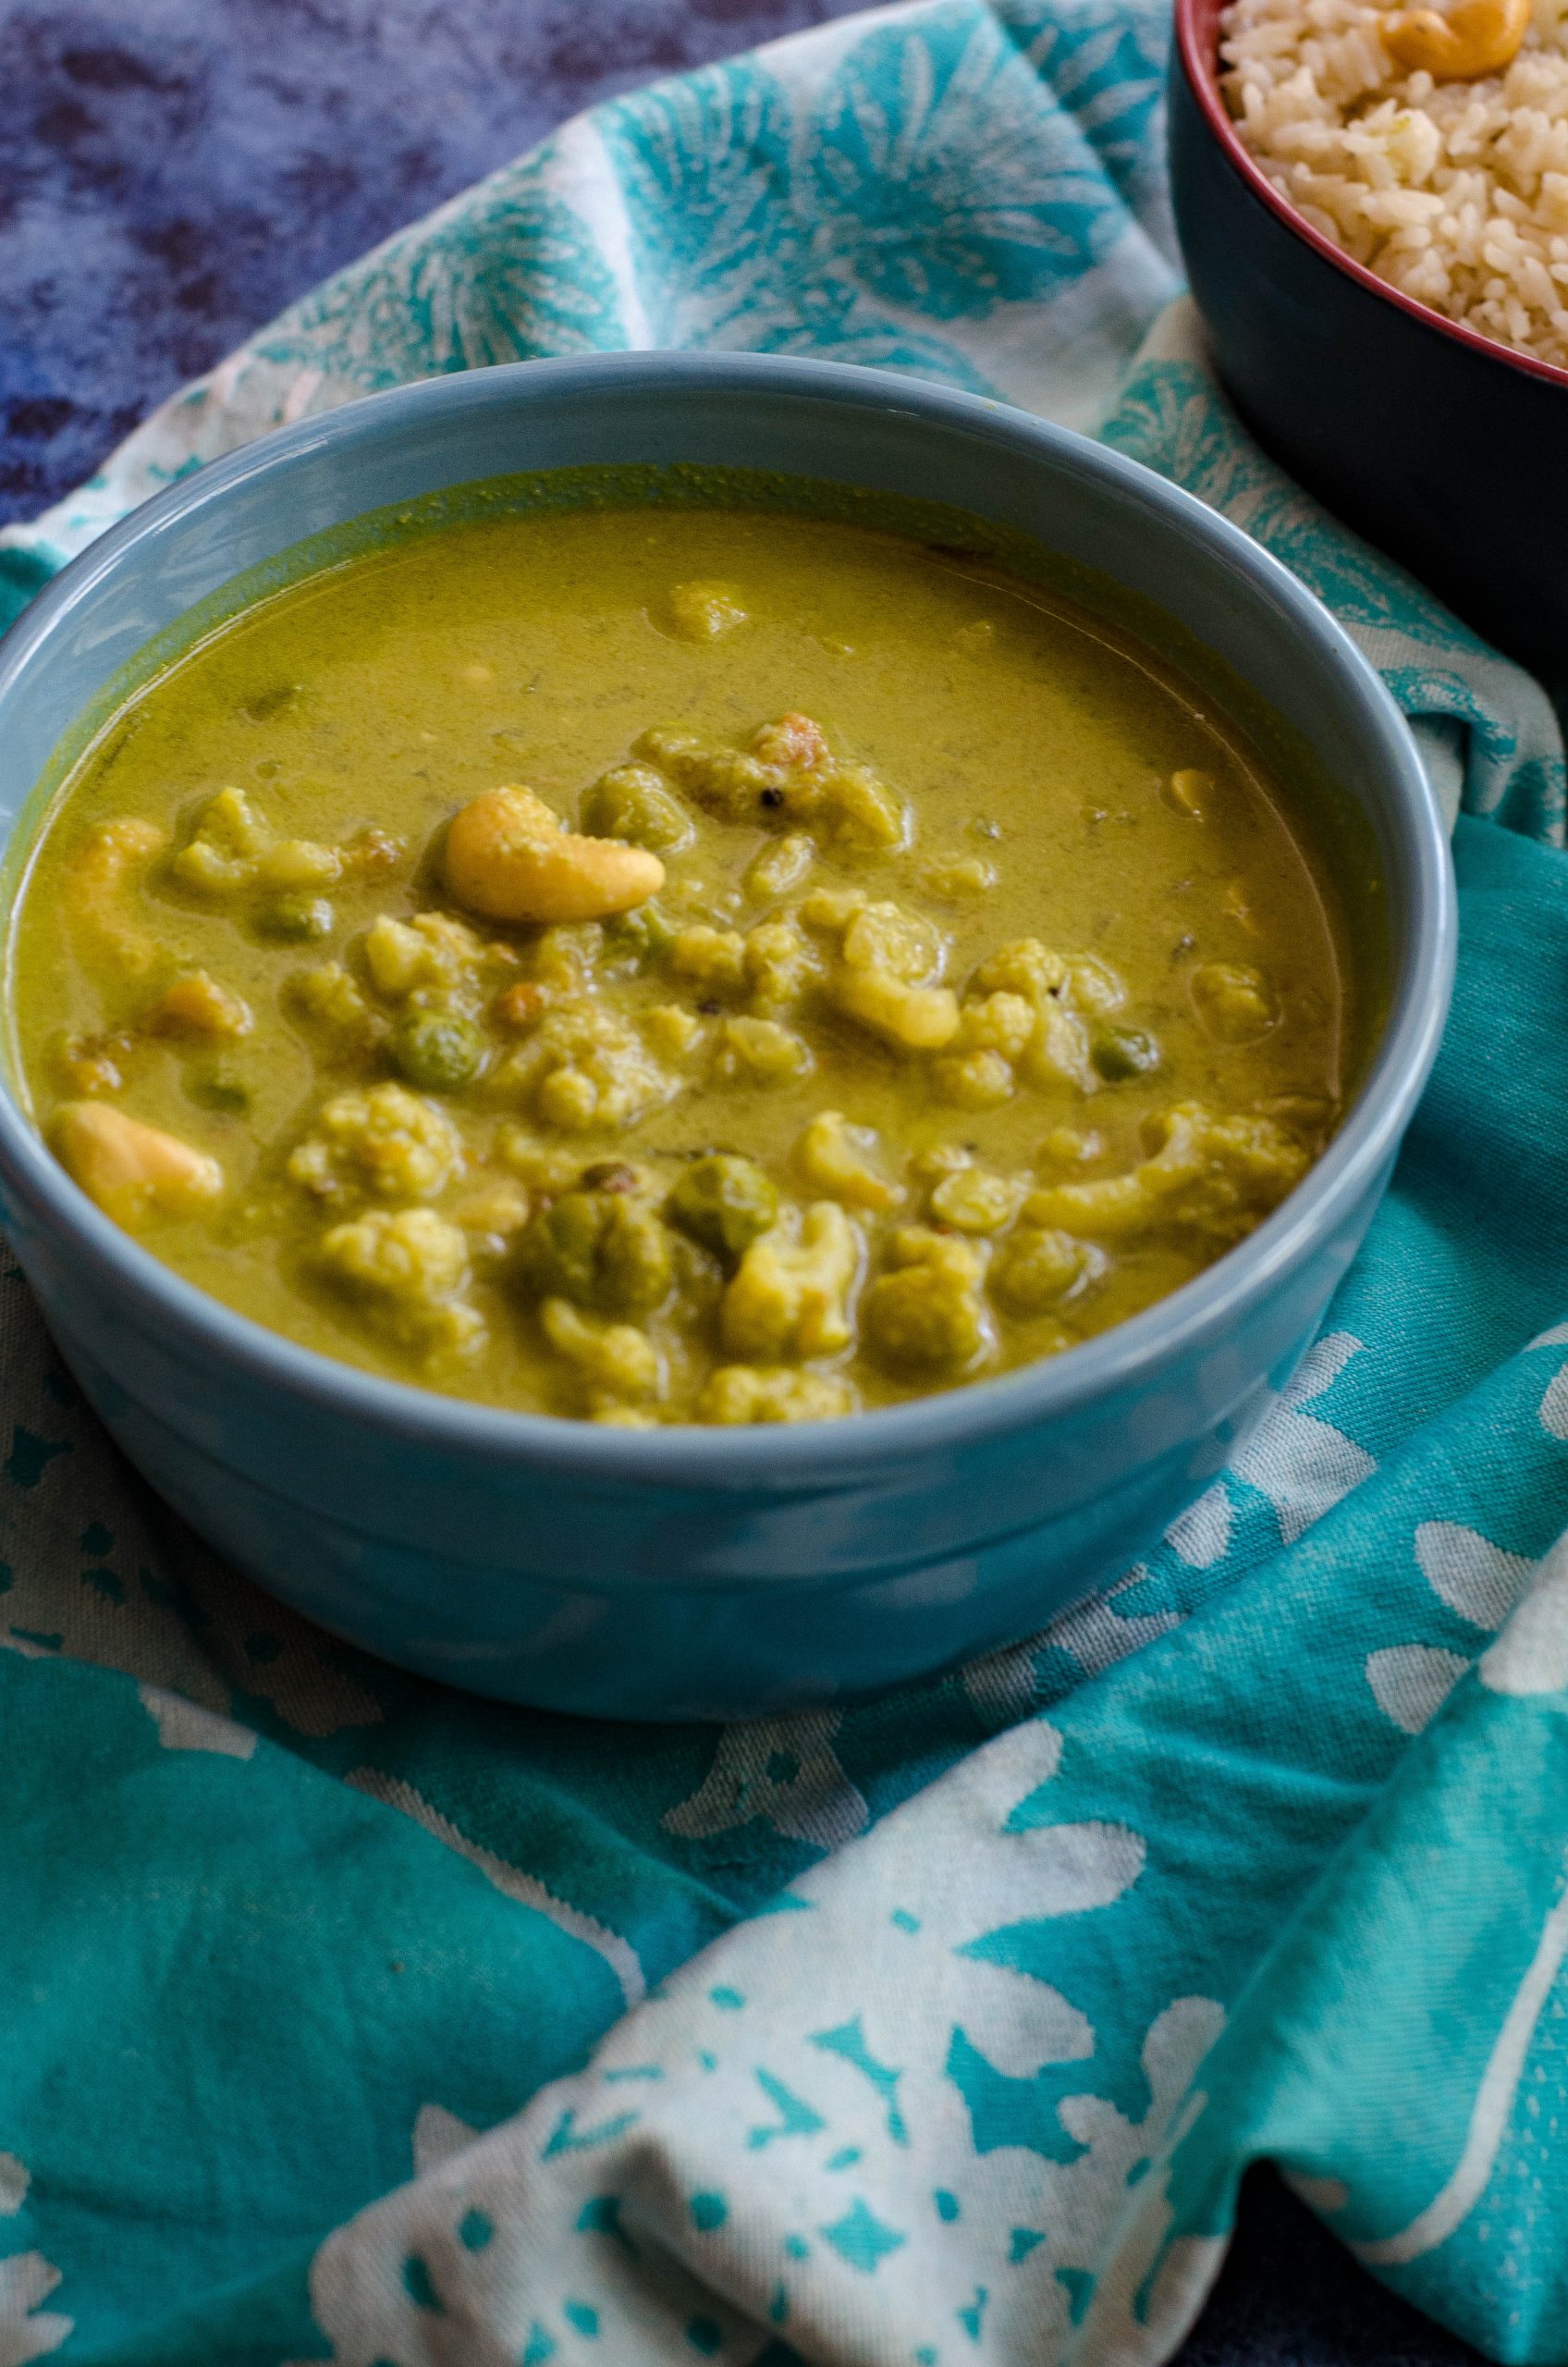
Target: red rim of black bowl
point(1197, 42)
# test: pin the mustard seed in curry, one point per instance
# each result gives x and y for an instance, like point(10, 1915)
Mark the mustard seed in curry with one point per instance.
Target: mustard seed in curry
point(678, 965)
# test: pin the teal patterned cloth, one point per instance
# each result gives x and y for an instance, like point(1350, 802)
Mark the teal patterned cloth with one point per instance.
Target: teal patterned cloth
point(345, 2018)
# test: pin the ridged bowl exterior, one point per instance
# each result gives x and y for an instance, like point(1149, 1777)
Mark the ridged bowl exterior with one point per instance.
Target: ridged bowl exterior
point(697, 1573)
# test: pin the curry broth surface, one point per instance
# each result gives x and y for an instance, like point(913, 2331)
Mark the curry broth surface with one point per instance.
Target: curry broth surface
point(1034, 754)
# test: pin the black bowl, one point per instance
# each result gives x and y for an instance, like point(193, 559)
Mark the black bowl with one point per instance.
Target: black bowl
point(1444, 448)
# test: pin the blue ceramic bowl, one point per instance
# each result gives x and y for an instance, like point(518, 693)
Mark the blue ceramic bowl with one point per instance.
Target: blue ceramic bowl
point(1446, 449)
point(689, 1572)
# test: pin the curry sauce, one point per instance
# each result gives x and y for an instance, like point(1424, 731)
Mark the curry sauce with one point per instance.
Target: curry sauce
point(669, 965)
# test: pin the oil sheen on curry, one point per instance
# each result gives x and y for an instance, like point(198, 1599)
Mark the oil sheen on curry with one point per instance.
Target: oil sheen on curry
point(669, 965)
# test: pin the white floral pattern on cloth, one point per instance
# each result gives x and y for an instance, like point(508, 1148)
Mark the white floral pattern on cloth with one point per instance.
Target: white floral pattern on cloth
point(883, 2122)
point(905, 2114)
point(27, 2279)
point(931, 2030)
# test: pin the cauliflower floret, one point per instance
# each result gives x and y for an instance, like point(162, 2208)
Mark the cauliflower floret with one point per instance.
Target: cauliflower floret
point(759, 1052)
point(831, 909)
point(232, 853)
point(292, 864)
point(912, 1019)
point(919, 1245)
point(1037, 1267)
point(937, 1159)
point(839, 1161)
point(329, 994)
point(950, 876)
point(973, 1080)
point(1024, 1005)
point(745, 1393)
point(1058, 1051)
point(974, 1200)
point(585, 1069)
point(705, 611)
point(492, 1213)
point(926, 1314)
point(997, 1022)
point(787, 773)
point(1234, 1001)
point(994, 1029)
point(547, 1168)
point(791, 1295)
point(433, 950)
point(1025, 968)
point(220, 858)
point(330, 999)
point(1215, 1176)
point(88, 1064)
point(779, 865)
point(900, 945)
point(618, 1364)
point(729, 782)
point(890, 956)
point(779, 965)
point(1092, 986)
point(670, 1031)
point(713, 959)
point(382, 1141)
point(408, 1268)
point(564, 957)
point(861, 807)
point(1073, 1146)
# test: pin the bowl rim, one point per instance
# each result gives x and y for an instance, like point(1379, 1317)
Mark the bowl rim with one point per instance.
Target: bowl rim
point(1200, 65)
point(198, 1326)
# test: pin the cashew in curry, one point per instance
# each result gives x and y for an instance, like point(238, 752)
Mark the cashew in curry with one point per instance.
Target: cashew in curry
point(508, 858)
point(132, 1170)
point(465, 1102)
point(101, 874)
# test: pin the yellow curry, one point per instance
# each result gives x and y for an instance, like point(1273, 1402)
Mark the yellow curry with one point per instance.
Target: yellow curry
point(678, 964)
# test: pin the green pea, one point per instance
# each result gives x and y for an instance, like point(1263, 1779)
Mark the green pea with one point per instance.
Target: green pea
point(724, 1202)
point(645, 933)
point(1122, 1052)
point(214, 1089)
point(296, 918)
point(437, 1050)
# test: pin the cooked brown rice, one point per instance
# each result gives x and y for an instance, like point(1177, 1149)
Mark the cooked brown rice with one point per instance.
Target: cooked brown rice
point(1456, 192)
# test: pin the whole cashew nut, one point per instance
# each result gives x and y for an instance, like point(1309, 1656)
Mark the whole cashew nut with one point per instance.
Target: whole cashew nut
point(133, 1171)
point(1479, 37)
point(508, 858)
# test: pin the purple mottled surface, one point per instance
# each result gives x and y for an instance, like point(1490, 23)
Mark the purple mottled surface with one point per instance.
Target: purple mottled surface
point(173, 172)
